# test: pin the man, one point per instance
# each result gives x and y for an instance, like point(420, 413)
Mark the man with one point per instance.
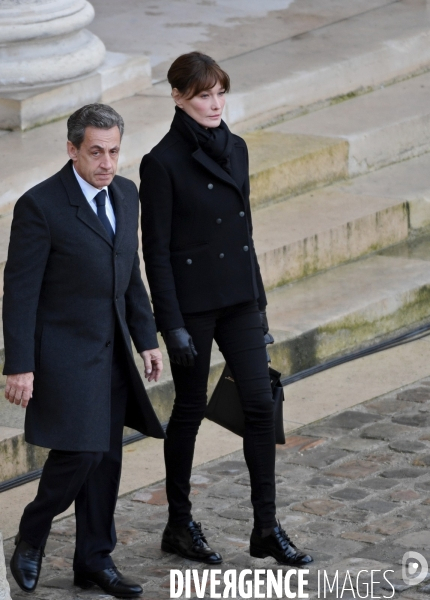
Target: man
point(73, 295)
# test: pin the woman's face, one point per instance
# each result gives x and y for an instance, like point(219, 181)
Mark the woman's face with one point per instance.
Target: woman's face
point(205, 108)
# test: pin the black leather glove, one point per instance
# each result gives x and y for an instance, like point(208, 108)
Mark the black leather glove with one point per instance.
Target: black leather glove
point(268, 337)
point(180, 346)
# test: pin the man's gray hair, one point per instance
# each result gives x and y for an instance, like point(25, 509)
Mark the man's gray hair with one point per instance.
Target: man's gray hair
point(92, 115)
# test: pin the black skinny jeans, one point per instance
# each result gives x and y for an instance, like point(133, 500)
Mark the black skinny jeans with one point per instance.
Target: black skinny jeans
point(239, 335)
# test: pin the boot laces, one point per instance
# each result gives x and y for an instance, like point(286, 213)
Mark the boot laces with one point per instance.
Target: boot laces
point(197, 534)
point(283, 538)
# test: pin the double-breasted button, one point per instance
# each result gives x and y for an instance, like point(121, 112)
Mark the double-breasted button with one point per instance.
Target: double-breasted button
point(246, 248)
point(189, 261)
point(241, 214)
point(107, 344)
point(210, 186)
point(218, 221)
point(221, 255)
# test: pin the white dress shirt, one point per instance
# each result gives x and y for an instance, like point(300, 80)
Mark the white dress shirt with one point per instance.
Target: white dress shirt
point(90, 192)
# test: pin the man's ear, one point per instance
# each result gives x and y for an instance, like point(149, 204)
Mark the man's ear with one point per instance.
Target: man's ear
point(177, 97)
point(72, 151)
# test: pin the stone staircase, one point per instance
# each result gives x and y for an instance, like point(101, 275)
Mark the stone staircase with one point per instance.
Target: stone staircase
point(340, 184)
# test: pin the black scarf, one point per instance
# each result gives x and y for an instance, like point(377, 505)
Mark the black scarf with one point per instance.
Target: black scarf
point(217, 142)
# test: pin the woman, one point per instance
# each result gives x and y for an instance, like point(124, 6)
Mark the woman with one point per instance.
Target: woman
point(206, 285)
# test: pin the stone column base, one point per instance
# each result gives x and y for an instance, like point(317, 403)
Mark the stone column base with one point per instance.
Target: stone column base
point(4, 584)
point(120, 76)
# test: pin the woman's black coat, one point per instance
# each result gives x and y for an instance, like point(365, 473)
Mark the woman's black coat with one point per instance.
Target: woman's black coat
point(196, 229)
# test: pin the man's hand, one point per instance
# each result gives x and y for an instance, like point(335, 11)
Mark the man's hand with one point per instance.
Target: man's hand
point(153, 361)
point(19, 388)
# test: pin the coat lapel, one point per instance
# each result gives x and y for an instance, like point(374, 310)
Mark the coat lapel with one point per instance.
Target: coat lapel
point(200, 156)
point(208, 163)
point(76, 198)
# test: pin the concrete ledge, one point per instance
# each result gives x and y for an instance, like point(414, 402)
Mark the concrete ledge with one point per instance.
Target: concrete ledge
point(283, 165)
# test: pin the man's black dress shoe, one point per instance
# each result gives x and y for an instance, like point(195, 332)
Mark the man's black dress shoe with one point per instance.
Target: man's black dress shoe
point(25, 564)
point(110, 581)
point(278, 545)
point(188, 541)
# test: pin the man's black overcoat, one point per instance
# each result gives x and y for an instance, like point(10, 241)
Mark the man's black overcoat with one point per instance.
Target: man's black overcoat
point(65, 285)
point(196, 228)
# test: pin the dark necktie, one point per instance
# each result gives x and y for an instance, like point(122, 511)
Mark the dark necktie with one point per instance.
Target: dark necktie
point(100, 199)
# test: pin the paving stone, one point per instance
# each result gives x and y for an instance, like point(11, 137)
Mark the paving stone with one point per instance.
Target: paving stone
point(351, 419)
point(423, 485)
point(228, 491)
point(384, 431)
point(354, 469)
point(408, 446)
point(376, 506)
point(299, 443)
point(322, 431)
point(415, 420)
point(203, 481)
point(419, 540)
point(382, 458)
point(318, 506)
point(342, 548)
point(404, 496)
point(408, 472)
point(387, 406)
point(317, 458)
point(155, 496)
point(228, 467)
point(386, 551)
point(379, 483)
point(236, 514)
point(412, 594)
point(355, 444)
point(350, 515)
point(418, 512)
point(389, 525)
point(419, 394)
point(422, 461)
point(350, 494)
point(322, 481)
point(360, 536)
point(324, 528)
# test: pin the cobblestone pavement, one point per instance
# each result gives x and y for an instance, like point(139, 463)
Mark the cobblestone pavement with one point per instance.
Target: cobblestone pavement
point(353, 490)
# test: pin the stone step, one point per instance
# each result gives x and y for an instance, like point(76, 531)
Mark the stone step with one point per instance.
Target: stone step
point(382, 44)
point(347, 307)
point(282, 165)
point(377, 46)
point(383, 127)
point(306, 234)
point(312, 321)
point(312, 232)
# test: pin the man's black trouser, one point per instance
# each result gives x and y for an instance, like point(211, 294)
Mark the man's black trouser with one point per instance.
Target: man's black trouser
point(91, 479)
point(239, 335)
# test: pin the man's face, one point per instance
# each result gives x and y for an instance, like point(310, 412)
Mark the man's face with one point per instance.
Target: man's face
point(96, 160)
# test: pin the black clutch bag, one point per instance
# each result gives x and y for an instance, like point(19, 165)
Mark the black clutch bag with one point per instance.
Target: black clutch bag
point(225, 408)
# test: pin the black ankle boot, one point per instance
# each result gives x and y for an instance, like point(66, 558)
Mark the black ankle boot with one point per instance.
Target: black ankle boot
point(189, 542)
point(278, 545)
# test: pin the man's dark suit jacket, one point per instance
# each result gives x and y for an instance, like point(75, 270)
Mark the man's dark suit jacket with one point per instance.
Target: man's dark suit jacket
point(65, 288)
point(196, 228)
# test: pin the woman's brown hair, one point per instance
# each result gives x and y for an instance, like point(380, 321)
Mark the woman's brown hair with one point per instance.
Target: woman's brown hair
point(195, 72)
